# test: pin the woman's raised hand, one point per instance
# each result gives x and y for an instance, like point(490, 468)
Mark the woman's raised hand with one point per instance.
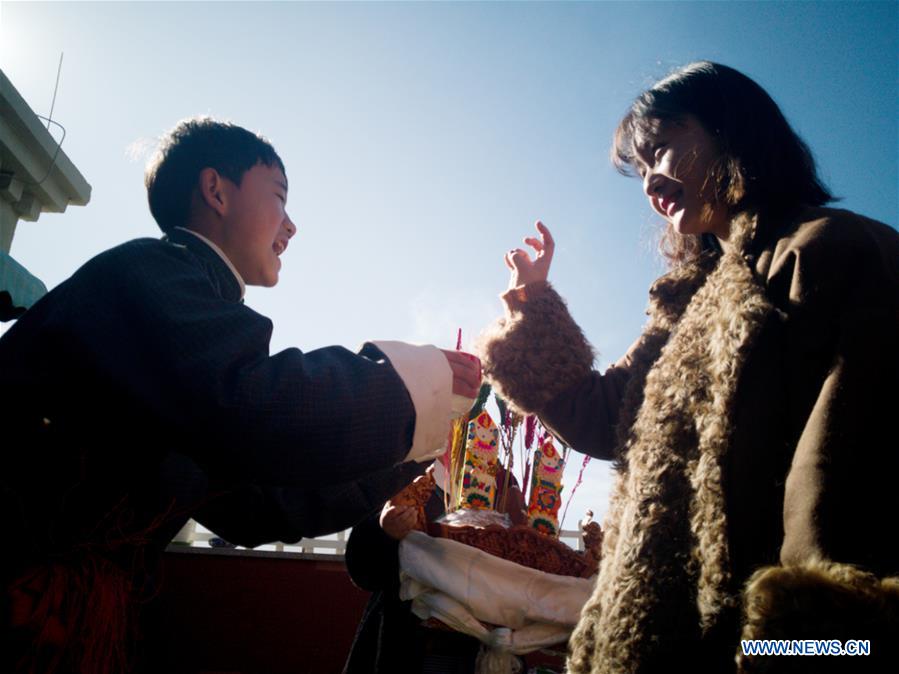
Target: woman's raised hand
point(524, 269)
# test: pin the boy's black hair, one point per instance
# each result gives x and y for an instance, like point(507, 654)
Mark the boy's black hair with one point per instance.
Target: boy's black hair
point(195, 144)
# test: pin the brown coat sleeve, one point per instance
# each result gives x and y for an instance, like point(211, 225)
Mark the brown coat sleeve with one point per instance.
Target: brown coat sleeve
point(537, 358)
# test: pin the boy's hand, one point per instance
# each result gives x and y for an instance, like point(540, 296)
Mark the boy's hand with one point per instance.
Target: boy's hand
point(466, 373)
point(524, 269)
point(398, 521)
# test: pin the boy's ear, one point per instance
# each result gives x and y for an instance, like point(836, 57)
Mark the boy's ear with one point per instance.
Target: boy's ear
point(212, 190)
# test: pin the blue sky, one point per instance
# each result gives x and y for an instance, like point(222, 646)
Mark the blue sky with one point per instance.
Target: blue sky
point(422, 140)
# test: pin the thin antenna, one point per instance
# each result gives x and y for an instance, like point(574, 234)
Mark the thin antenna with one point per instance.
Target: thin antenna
point(53, 104)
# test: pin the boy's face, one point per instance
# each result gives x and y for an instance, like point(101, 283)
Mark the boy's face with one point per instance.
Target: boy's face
point(257, 227)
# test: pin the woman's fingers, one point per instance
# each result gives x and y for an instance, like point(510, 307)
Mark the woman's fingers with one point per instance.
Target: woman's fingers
point(544, 232)
point(518, 254)
point(515, 258)
point(518, 258)
point(549, 246)
point(548, 241)
point(526, 269)
point(536, 244)
point(545, 244)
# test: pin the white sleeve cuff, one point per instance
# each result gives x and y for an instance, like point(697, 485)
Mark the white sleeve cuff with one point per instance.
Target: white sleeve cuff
point(429, 380)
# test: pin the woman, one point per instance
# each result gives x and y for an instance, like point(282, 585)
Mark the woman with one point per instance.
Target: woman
point(751, 422)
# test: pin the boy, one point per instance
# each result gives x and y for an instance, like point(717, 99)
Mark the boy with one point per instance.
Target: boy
point(141, 392)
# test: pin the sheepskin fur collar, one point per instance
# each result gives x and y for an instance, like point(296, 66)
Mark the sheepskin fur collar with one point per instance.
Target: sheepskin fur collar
point(665, 541)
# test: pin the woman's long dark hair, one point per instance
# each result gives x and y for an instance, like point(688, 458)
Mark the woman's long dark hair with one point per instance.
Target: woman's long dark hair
point(763, 166)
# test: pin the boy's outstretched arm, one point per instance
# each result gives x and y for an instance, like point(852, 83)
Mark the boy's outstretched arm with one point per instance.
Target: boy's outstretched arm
point(198, 364)
point(252, 515)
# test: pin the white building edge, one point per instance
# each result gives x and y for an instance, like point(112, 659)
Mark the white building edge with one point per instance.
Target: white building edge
point(36, 176)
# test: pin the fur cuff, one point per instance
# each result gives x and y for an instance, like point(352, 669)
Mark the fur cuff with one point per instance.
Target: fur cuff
point(821, 601)
point(535, 351)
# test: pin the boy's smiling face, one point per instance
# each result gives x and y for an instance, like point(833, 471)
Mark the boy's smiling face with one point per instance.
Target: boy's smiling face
point(256, 225)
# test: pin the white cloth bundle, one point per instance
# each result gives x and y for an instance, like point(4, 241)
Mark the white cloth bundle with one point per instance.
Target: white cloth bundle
point(461, 585)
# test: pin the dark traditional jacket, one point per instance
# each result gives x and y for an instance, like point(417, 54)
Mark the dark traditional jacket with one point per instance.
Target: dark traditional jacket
point(752, 426)
point(141, 392)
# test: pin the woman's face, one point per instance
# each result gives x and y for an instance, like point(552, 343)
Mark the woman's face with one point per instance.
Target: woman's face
point(673, 161)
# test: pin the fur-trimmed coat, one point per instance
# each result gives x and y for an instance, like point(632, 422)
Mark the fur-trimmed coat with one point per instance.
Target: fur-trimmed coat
point(753, 429)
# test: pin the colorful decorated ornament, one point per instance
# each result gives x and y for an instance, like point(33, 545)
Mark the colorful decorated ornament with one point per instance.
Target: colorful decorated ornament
point(479, 477)
point(546, 489)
